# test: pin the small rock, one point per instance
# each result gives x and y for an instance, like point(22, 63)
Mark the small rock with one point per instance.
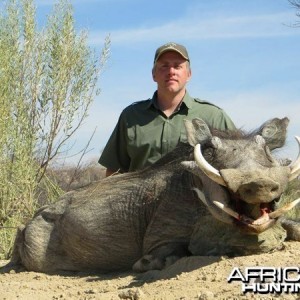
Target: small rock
point(91, 291)
point(137, 294)
point(206, 295)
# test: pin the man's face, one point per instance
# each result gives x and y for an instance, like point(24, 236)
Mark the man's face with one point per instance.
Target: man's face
point(171, 72)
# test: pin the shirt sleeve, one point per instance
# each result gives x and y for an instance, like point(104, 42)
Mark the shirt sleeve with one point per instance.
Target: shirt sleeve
point(115, 156)
point(226, 122)
point(213, 115)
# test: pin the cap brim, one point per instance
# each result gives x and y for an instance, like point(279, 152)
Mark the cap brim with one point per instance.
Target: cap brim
point(169, 50)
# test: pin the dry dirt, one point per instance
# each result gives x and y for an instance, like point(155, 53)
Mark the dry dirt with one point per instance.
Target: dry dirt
point(190, 278)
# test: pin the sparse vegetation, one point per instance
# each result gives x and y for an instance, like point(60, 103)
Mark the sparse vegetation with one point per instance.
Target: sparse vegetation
point(48, 79)
point(296, 4)
point(72, 178)
point(292, 193)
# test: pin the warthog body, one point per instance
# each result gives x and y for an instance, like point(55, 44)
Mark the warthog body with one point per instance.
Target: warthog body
point(148, 219)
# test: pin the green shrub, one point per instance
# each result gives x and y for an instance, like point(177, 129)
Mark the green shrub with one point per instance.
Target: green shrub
point(48, 79)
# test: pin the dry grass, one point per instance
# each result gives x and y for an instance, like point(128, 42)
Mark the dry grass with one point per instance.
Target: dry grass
point(71, 178)
point(292, 193)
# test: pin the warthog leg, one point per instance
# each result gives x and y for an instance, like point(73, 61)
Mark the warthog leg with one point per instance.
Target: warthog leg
point(161, 257)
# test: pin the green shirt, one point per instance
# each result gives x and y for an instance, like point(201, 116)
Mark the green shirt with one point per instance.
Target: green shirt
point(144, 134)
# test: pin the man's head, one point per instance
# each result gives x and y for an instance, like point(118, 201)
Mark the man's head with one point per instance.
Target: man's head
point(171, 70)
point(171, 47)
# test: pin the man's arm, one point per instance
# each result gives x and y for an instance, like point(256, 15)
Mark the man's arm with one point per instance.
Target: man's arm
point(114, 155)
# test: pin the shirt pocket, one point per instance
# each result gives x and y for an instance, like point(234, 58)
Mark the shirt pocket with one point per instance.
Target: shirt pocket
point(144, 141)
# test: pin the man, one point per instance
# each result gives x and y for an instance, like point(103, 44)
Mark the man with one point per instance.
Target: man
point(149, 129)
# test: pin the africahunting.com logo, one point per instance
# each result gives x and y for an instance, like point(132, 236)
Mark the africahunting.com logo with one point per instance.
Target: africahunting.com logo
point(267, 280)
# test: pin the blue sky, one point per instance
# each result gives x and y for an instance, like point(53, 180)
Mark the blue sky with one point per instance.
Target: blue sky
point(244, 58)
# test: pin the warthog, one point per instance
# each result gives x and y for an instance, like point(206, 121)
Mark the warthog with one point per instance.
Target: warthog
point(208, 196)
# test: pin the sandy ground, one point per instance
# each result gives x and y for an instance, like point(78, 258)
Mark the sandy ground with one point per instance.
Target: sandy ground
point(189, 278)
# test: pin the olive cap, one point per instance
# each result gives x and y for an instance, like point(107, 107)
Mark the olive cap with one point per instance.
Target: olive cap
point(171, 47)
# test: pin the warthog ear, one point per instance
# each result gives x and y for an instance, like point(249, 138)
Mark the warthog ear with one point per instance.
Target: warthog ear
point(274, 132)
point(197, 131)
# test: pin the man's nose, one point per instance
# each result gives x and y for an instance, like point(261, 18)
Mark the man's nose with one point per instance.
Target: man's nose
point(172, 70)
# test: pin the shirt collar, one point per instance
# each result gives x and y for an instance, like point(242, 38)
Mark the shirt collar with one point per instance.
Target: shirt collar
point(187, 100)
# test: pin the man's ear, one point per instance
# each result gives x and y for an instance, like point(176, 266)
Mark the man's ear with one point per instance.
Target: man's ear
point(190, 74)
point(153, 74)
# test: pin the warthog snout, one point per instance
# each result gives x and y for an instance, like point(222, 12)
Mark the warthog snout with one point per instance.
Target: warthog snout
point(260, 190)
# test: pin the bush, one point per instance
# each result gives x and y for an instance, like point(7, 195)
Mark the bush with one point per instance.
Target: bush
point(48, 79)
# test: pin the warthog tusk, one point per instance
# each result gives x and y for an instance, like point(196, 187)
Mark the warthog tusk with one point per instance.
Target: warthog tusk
point(201, 196)
point(215, 212)
point(208, 169)
point(261, 220)
point(259, 228)
point(256, 226)
point(280, 211)
point(295, 166)
point(227, 210)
